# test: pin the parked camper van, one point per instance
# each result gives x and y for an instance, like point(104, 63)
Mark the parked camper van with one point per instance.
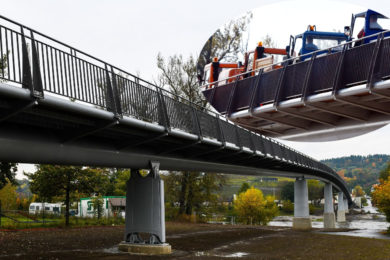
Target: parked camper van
point(51, 208)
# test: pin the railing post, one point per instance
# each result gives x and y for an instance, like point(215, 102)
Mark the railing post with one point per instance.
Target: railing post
point(37, 78)
point(336, 81)
point(231, 97)
point(110, 101)
point(196, 121)
point(254, 91)
point(372, 77)
point(239, 143)
point(27, 78)
point(222, 136)
point(305, 88)
point(163, 111)
point(252, 142)
point(116, 94)
point(279, 89)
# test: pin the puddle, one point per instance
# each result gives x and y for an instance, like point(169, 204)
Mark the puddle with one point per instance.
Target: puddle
point(198, 233)
point(111, 250)
point(227, 255)
point(238, 254)
point(364, 225)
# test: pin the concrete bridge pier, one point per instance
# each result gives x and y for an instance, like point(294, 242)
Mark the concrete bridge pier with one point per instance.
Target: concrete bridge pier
point(341, 208)
point(301, 218)
point(329, 216)
point(346, 207)
point(145, 214)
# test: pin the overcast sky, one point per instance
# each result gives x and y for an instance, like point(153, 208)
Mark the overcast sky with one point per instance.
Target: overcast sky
point(130, 34)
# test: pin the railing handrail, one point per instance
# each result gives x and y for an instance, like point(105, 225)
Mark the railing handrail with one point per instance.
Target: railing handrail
point(214, 83)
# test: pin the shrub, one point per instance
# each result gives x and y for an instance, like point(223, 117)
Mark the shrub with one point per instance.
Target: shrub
point(253, 208)
point(288, 207)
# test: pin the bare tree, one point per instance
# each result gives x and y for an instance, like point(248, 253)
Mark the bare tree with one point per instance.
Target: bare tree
point(226, 43)
point(180, 77)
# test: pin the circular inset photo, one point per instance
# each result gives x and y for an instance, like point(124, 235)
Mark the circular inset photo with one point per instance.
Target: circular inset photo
point(300, 71)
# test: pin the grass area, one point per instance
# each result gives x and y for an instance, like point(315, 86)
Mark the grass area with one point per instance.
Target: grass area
point(234, 182)
point(25, 223)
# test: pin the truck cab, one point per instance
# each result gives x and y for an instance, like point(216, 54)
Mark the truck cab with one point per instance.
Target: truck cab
point(312, 40)
point(374, 23)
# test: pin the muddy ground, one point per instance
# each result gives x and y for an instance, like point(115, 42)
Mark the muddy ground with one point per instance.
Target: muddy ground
point(192, 241)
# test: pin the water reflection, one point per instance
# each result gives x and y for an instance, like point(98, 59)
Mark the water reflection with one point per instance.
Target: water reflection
point(368, 224)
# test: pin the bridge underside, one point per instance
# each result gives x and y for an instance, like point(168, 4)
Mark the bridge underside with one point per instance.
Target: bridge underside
point(57, 131)
point(322, 117)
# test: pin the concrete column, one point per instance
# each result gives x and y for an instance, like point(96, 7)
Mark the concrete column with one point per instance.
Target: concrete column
point(329, 217)
point(346, 208)
point(301, 218)
point(145, 213)
point(340, 208)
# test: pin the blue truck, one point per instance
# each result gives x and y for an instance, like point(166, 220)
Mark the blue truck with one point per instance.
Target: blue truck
point(313, 40)
point(372, 25)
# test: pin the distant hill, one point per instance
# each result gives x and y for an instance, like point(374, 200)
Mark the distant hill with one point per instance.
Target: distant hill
point(359, 170)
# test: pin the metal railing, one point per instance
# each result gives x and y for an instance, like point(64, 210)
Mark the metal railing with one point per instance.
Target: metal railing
point(42, 64)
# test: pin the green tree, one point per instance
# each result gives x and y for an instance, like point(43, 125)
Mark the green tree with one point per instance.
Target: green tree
point(8, 197)
point(50, 181)
point(122, 176)
point(288, 207)
point(385, 173)
point(287, 191)
point(244, 187)
point(315, 191)
point(193, 191)
point(7, 173)
point(358, 191)
point(97, 204)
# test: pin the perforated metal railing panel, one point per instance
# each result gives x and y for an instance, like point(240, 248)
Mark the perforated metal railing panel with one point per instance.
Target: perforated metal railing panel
point(323, 73)
point(294, 80)
point(244, 90)
point(267, 87)
point(356, 64)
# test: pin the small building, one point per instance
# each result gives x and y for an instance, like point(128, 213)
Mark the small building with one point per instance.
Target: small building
point(50, 208)
point(112, 206)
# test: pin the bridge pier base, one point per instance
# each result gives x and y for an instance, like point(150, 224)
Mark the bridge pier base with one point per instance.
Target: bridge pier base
point(145, 214)
point(301, 218)
point(340, 208)
point(329, 216)
point(346, 208)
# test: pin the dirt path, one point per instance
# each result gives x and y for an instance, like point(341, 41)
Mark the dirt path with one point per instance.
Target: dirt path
point(192, 241)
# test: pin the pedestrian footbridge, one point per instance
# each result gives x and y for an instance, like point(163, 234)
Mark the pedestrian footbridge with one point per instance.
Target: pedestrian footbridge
point(60, 105)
